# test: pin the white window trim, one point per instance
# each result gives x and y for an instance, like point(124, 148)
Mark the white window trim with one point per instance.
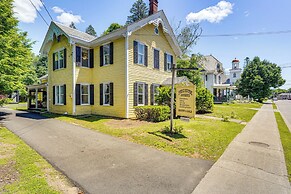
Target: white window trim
point(81, 63)
point(58, 53)
point(138, 53)
point(58, 87)
point(143, 94)
point(85, 104)
point(104, 104)
point(104, 61)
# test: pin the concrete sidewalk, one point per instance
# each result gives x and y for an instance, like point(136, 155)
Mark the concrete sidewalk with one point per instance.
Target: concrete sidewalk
point(100, 163)
point(253, 163)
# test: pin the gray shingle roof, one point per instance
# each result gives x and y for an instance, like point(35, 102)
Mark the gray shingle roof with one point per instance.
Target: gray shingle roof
point(76, 33)
point(209, 63)
point(177, 80)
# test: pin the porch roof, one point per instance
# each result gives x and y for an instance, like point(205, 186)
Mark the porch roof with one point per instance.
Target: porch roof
point(39, 86)
point(224, 86)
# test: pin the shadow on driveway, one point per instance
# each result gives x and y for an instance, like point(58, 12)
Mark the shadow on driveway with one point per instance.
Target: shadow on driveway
point(33, 116)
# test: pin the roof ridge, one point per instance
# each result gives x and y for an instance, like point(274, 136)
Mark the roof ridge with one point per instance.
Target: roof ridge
point(58, 23)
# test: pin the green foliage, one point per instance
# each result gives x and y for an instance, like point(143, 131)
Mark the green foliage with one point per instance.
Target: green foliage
point(258, 77)
point(289, 90)
point(204, 100)
point(40, 64)
point(90, 30)
point(194, 76)
point(72, 25)
point(152, 113)
point(176, 129)
point(3, 101)
point(139, 10)
point(15, 54)
point(164, 96)
point(112, 27)
point(225, 118)
point(286, 141)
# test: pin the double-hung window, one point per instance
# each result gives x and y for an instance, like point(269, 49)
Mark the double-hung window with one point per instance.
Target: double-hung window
point(106, 54)
point(140, 53)
point(85, 57)
point(85, 94)
point(169, 62)
point(141, 94)
point(59, 59)
point(60, 95)
point(156, 59)
point(106, 94)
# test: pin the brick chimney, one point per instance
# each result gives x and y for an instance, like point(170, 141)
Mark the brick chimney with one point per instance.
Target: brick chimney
point(153, 6)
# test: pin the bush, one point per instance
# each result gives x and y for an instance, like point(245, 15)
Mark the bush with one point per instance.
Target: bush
point(204, 101)
point(176, 129)
point(3, 101)
point(152, 113)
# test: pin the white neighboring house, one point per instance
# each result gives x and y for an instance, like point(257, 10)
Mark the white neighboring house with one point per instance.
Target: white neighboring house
point(235, 72)
point(215, 79)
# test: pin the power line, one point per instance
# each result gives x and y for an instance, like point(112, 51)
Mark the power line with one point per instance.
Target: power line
point(46, 10)
point(248, 34)
point(39, 13)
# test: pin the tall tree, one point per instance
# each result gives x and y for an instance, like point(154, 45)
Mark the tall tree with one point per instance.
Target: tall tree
point(112, 27)
point(139, 10)
point(15, 52)
point(72, 25)
point(40, 64)
point(258, 77)
point(188, 36)
point(90, 30)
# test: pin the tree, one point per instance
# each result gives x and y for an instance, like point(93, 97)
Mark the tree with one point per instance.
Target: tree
point(258, 77)
point(188, 36)
point(139, 10)
point(72, 25)
point(90, 30)
point(40, 64)
point(15, 53)
point(112, 27)
point(289, 90)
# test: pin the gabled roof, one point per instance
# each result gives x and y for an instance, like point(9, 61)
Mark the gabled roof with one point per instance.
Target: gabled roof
point(209, 63)
point(177, 80)
point(85, 39)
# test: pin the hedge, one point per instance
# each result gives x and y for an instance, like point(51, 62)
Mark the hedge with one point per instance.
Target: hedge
point(152, 113)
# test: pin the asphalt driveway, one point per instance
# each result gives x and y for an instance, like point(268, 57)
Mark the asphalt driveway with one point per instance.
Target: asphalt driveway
point(99, 163)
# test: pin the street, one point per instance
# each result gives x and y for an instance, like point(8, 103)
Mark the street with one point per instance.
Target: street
point(284, 107)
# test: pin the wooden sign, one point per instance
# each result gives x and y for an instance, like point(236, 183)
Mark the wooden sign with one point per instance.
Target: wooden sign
point(186, 101)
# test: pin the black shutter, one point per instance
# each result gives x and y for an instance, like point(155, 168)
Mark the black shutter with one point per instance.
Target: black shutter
point(172, 61)
point(135, 96)
point(165, 62)
point(54, 95)
point(146, 93)
point(65, 95)
point(101, 56)
point(91, 58)
point(65, 58)
point(78, 55)
point(135, 52)
point(152, 94)
point(111, 95)
point(145, 55)
point(54, 65)
point(92, 94)
point(101, 94)
point(111, 53)
point(78, 94)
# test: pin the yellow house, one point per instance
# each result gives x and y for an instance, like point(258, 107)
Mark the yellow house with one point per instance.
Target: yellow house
point(111, 74)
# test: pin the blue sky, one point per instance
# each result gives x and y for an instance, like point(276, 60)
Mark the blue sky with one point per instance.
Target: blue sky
point(215, 18)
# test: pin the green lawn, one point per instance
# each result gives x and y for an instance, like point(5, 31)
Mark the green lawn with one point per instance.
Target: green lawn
point(240, 111)
point(274, 106)
point(22, 170)
point(201, 138)
point(19, 106)
point(286, 141)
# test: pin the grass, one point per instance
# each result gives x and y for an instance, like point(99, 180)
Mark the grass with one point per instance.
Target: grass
point(240, 111)
point(22, 106)
point(274, 106)
point(200, 138)
point(286, 141)
point(26, 170)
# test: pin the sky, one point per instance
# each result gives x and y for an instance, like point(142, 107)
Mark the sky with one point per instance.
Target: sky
point(230, 17)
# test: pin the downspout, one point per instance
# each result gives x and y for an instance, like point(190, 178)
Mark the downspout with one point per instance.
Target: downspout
point(74, 78)
point(126, 77)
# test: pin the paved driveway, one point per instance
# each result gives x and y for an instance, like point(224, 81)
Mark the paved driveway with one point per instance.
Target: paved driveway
point(103, 164)
point(284, 107)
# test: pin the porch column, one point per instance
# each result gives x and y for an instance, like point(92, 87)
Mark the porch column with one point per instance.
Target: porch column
point(36, 98)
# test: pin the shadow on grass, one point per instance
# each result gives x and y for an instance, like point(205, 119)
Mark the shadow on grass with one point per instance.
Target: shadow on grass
point(88, 118)
point(168, 135)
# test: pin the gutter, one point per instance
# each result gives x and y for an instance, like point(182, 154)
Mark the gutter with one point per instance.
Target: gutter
point(74, 78)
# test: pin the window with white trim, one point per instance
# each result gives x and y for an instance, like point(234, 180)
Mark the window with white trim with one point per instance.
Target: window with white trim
point(85, 94)
point(140, 94)
point(106, 94)
point(169, 62)
point(140, 51)
point(58, 58)
point(60, 95)
point(85, 57)
point(106, 54)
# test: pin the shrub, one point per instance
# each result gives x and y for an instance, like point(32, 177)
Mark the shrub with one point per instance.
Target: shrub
point(204, 100)
point(176, 129)
point(152, 113)
point(3, 101)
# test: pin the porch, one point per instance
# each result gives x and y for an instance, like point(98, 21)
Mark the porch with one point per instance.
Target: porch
point(223, 93)
point(37, 97)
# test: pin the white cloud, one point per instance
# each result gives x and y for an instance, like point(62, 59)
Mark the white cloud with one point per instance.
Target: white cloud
point(247, 13)
point(57, 9)
point(213, 14)
point(67, 17)
point(24, 11)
